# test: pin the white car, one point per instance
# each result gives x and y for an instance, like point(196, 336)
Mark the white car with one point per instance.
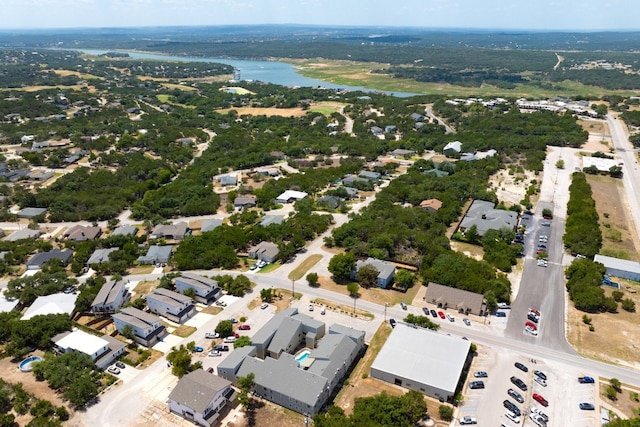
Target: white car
point(531, 331)
point(310, 307)
point(264, 305)
point(212, 335)
point(214, 353)
point(540, 381)
point(113, 370)
point(451, 318)
point(468, 420)
point(513, 417)
point(230, 339)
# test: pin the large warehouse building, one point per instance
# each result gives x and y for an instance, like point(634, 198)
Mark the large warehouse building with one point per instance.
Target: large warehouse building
point(422, 360)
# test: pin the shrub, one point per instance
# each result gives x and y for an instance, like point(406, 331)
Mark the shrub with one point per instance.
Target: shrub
point(617, 295)
point(586, 319)
point(611, 393)
point(628, 305)
point(446, 412)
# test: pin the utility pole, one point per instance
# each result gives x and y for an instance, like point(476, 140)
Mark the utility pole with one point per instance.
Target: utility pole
point(385, 310)
point(293, 288)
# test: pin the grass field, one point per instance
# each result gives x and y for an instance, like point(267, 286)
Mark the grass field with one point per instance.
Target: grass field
point(360, 74)
point(300, 270)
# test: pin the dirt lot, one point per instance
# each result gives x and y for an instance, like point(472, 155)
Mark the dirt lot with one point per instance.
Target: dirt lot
point(611, 205)
point(375, 295)
point(615, 337)
point(627, 402)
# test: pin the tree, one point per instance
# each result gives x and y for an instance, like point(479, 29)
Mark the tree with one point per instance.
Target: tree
point(471, 234)
point(446, 412)
point(422, 321)
point(560, 164)
point(225, 328)
point(267, 294)
point(340, 266)
point(367, 276)
point(312, 279)
point(127, 332)
point(353, 288)
point(180, 359)
point(243, 341)
point(404, 279)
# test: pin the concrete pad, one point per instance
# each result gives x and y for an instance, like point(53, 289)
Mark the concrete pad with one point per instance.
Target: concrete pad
point(169, 341)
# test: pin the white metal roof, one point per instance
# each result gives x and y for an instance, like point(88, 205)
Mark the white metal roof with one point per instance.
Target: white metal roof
point(82, 342)
point(618, 264)
point(424, 356)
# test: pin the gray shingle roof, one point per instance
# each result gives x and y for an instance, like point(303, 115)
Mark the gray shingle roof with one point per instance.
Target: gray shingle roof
point(197, 389)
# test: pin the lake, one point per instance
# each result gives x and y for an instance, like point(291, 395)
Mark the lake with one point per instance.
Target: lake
point(280, 73)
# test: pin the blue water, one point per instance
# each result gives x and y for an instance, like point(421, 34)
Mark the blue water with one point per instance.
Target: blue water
point(302, 357)
point(27, 364)
point(280, 73)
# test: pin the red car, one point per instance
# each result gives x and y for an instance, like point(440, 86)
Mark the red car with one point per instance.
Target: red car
point(244, 327)
point(534, 311)
point(532, 325)
point(441, 314)
point(541, 400)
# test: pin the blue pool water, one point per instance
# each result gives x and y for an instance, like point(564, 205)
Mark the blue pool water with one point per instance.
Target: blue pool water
point(302, 356)
point(27, 364)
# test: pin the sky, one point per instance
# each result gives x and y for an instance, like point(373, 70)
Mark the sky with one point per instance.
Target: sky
point(567, 15)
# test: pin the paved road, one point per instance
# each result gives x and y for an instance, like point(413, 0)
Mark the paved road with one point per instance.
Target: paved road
point(540, 287)
point(631, 175)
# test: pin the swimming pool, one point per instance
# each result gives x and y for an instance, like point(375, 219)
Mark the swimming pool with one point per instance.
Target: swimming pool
point(27, 364)
point(302, 356)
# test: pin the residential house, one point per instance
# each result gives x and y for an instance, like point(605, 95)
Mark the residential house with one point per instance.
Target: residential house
point(156, 254)
point(278, 155)
point(400, 153)
point(26, 233)
point(100, 255)
point(377, 131)
point(40, 258)
point(417, 117)
point(147, 328)
point(175, 231)
point(112, 295)
point(386, 271)
point(228, 180)
point(290, 196)
point(40, 175)
point(482, 214)
point(453, 145)
point(103, 350)
point(351, 192)
point(199, 398)
point(59, 303)
point(328, 202)
point(265, 251)
point(390, 129)
point(369, 175)
point(244, 202)
point(464, 302)
point(172, 305)
point(267, 220)
point(206, 290)
point(350, 180)
point(125, 230)
point(31, 213)
point(210, 224)
point(80, 233)
point(431, 205)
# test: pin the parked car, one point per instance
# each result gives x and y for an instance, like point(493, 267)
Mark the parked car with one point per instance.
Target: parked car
point(534, 311)
point(585, 406)
point(512, 407)
point(198, 349)
point(244, 327)
point(586, 380)
point(545, 223)
point(221, 303)
point(531, 325)
point(512, 416)
point(214, 353)
point(403, 305)
point(540, 381)
point(531, 331)
point(450, 317)
point(113, 370)
point(210, 370)
point(480, 374)
point(500, 314)
point(310, 307)
point(540, 414)
point(540, 374)
point(264, 305)
point(476, 385)
point(221, 347)
point(519, 383)
point(517, 396)
point(433, 313)
point(392, 322)
point(120, 365)
point(230, 339)
point(541, 400)
point(521, 367)
point(538, 420)
point(425, 310)
point(503, 306)
point(233, 320)
point(441, 314)
point(253, 267)
point(212, 335)
point(466, 321)
point(533, 317)
point(468, 420)
point(323, 310)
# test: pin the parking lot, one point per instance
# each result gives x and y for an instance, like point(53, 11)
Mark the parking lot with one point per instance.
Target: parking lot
point(563, 391)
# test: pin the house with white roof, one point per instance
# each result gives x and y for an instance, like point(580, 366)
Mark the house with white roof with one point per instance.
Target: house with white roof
point(291, 196)
point(51, 304)
point(102, 350)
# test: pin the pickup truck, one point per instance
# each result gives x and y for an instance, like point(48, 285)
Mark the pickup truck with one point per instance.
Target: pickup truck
point(468, 420)
point(586, 380)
